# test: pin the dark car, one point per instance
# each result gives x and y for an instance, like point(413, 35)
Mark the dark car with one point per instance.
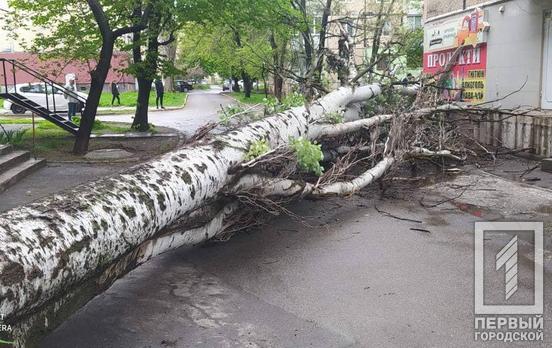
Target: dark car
point(183, 86)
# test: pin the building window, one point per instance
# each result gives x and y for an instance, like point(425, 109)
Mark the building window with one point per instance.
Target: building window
point(414, 21)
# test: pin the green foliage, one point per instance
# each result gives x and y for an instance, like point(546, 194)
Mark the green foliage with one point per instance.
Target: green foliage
point(293, 100)
point(308, 155)
point(334, 118)
point(273, 106)
point(256, 98)
point(256, 149)
point(414, 48)
point(202, 87)
point(231, 37)
point(12, 136)
point(98, 125)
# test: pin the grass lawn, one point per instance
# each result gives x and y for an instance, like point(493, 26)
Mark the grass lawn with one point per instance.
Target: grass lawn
point(256, 97)
point(129, 99)
point(51, 140)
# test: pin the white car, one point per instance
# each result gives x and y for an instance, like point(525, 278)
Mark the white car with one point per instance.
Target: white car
point(36, 92)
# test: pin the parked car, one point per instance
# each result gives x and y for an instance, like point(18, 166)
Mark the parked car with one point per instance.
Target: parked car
point(183, 86)
point(226, 86)
point(36, 92)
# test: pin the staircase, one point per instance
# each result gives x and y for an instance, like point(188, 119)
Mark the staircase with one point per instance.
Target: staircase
point(15, 165)
point(8, 90)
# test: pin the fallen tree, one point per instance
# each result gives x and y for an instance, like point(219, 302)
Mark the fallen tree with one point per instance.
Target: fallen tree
point(59, 252)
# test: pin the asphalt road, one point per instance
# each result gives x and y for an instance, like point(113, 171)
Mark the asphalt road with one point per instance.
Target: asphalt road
point(350, 275)
point(202, 107)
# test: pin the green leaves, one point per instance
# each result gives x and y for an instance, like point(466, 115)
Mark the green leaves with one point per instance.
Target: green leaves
point(309, 155)
point(258, 148)
point(334, 117)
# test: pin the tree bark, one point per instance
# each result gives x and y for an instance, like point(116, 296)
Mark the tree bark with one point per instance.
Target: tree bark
point(141, 122)
point(99, 74)
point(247, 84)
point(236, 84)
point(317, 76)
point(52, 246)
point(146, 70)
point(98, 77)
point(278, 53)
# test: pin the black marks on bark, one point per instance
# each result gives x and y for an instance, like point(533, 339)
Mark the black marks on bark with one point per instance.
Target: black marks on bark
point(211, 159)
point(162, 201)
point(201, 167)
point(129, 211)
point(219, 145)
point(35, 273)
point(12, 273)
point(65, 256)
point(104, 224)
point(186, 177)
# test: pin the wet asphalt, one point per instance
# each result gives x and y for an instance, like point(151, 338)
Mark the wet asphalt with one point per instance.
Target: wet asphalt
point(347, 276)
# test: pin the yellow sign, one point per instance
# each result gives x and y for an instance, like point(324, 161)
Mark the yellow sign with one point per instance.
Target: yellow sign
point(473, 86)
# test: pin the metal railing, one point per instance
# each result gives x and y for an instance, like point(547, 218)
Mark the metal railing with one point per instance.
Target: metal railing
point(9, 69)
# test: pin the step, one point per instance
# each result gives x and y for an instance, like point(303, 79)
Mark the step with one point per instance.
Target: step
point(12, 159)
point(17, 173)
point(5, 149)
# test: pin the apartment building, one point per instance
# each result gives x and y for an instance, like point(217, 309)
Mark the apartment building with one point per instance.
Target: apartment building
point(505, 61)
point(508, 46)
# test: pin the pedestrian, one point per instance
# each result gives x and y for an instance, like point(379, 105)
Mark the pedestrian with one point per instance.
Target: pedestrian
point(72, 101)
point(160, 89)
point(115, 93)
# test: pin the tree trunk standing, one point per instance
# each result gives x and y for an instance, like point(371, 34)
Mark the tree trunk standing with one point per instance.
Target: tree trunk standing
point(306, 34)
point(99, 74)
point(141, 122)
point(236, 84)
point(137, 60)
point(170, 52)
point(278, 67)
point(317, 76)
point(247, 84)
point(146, 71)
point(378, 32)
point(97, 82)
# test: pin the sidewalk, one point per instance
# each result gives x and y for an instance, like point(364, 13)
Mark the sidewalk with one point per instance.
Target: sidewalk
point(125, 110)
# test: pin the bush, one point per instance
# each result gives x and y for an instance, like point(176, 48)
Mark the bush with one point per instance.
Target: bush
point(309, 155)
point(13, 137)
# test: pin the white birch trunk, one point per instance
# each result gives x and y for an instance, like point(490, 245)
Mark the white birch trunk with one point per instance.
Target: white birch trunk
point(53, 245)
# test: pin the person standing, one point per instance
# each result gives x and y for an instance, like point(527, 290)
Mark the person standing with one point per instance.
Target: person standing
point(115, 93)
point(72, 101)
point(160, 89)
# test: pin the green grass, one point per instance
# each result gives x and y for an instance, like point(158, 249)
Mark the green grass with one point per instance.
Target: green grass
point(50, 139)
point(129, 99)
point(256, 97)
point(202, 87)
